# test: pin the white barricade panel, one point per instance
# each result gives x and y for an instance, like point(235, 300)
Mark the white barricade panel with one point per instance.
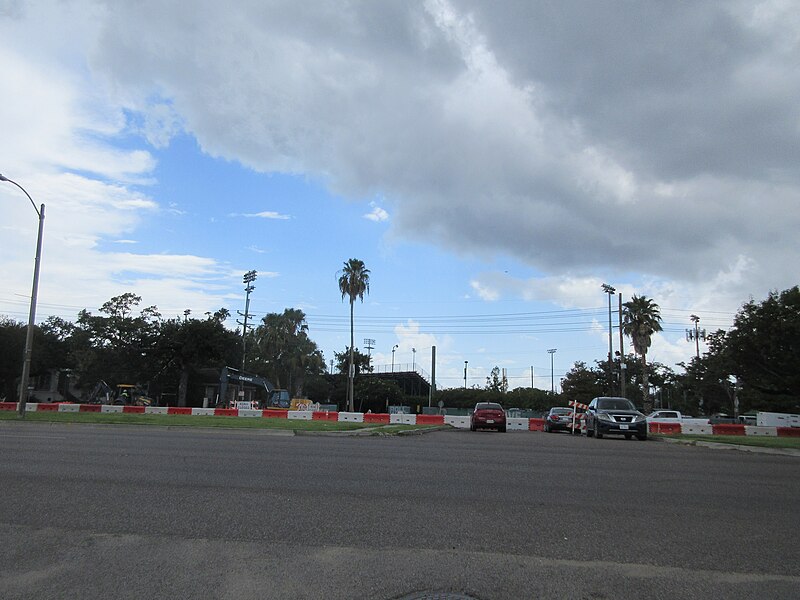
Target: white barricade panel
point(516, 424)
point(69, 408)
point(202, 412)
point(753, 430)
point(349, 417)
point(155, 410)
point(249, 412)
point(696, 429)
point(458, 421)
point(300, 415)
point(29, 406)
point(402, 419)
point(111, 408)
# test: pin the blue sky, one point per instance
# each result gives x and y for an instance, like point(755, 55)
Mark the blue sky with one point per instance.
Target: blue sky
point(490, 164)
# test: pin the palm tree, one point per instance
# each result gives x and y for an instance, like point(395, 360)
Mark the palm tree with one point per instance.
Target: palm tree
point(353, 282)
point(641, 319)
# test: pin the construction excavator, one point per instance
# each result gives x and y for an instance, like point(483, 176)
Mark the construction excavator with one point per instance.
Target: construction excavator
point(125, 394)
point(275, 398)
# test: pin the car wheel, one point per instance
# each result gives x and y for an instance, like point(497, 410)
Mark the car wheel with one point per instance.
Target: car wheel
point(502, 429)
point(546, 428)
point(471, 427)
point(597, 434)
point(589, 432)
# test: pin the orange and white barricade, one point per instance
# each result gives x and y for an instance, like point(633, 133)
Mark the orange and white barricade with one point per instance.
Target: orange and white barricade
point(578, 419)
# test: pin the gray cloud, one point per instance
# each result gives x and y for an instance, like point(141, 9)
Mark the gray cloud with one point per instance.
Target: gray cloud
point(655, 137)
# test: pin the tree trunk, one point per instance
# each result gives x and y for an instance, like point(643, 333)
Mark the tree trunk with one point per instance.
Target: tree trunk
point(183, 386)
point(350, 403)
point(645, 386)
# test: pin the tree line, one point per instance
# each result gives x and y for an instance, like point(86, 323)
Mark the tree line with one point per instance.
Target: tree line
point(756, 363)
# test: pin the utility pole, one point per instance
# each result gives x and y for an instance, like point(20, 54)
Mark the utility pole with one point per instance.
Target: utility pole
point(531, 376)
point(432, 389)
point(610, 291)
point(552, 351)
point(623, 368)
point(247, 279)
point(697, 333)
point(466, 362)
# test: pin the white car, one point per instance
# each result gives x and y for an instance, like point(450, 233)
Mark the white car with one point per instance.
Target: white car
point(665, 416)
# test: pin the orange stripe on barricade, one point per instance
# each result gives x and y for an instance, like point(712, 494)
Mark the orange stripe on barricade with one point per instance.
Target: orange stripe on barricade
point(535, 424)
point(275, 413)
point(665, 428)
point(788, 431)
point(320, 415)
point(226, 412)
point(376, 418)
point(430, 419)
point(138, 410)
point(179, 410)
point(49, 407)
point(90, 408)
point(8, 406)
point(728, 429)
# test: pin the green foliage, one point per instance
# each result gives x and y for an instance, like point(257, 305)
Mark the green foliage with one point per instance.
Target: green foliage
point(282, 351)
point(763, 347)
point(495, 382)
point(372, 393)
point(362, 362)
point(353, 283)
point(641, 319)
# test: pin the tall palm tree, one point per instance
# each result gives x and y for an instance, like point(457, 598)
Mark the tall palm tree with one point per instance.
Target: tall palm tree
point(354, 283)
point(640, 320)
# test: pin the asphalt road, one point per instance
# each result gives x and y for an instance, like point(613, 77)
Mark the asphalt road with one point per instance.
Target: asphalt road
point(139, 512)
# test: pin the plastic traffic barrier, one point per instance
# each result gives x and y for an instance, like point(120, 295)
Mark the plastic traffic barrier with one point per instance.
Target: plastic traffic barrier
point(376, 418)
point(666, 428)
point(728, 429)
point(275, 413)
point(321, 415)
point(535, 424)
point(430, 420)
point(179, 410)
point(788, 431)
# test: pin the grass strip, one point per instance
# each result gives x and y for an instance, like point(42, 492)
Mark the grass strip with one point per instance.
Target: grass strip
point(741, 440)
point(184, 421)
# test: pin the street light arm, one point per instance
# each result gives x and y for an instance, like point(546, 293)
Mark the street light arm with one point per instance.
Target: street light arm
point(24, 191)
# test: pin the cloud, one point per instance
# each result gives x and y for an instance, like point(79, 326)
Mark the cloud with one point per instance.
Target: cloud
point(502, 131)
point(377, 214)
point(577, 138)
point(265, 214)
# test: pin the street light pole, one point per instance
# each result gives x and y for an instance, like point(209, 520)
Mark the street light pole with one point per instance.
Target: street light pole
point(395, 347)
point(414, 359)
point(610, 291)
point(466, 362)
point(552, 352)
point(26, 364)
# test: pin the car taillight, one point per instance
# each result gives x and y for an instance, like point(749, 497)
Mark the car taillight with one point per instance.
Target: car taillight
point(554, 417)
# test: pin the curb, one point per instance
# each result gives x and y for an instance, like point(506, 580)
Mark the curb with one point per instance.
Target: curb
point(740, 448)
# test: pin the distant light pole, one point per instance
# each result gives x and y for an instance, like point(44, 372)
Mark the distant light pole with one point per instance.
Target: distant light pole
point(395, 347)
point(26, 364)
point(369, 344)
point(414, 359)
point(552, 352)
point(247, 279)
point(610, 291)
point(466, 362)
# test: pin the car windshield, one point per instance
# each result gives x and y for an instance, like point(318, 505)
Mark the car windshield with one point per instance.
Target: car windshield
point(488, 406)
point(615, 404)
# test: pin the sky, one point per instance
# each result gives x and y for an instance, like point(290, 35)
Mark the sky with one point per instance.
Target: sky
point(493, 164)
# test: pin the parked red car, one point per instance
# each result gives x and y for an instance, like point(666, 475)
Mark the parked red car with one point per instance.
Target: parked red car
point(488, 415)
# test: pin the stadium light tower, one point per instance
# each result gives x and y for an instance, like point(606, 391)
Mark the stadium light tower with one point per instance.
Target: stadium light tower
point(610, 291)
point(247, 279)
point(26, 364)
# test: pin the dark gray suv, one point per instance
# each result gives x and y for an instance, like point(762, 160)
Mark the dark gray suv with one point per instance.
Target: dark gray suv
point(615, 416)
